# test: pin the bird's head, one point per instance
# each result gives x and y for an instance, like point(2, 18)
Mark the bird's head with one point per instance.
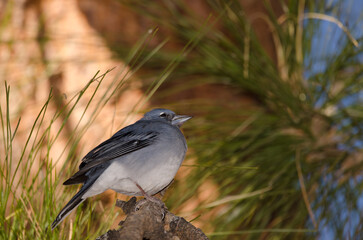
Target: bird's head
point(166, 115)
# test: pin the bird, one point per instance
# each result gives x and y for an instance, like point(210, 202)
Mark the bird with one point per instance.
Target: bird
point(141, 159)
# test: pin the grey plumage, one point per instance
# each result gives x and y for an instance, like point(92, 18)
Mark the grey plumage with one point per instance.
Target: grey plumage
point(148, 153)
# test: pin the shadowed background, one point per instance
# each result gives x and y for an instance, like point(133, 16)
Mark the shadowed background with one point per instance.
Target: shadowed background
point(275, 88)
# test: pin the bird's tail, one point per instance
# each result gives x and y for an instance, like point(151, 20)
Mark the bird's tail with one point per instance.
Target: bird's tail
point(72, 204)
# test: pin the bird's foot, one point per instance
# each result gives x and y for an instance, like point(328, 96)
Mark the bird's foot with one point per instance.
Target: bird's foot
point(155, 200)
point(151, 199)
point(140, 203)
point(148, 197)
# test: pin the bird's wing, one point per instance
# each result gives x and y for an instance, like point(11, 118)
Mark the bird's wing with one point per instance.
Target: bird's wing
point(125, 141)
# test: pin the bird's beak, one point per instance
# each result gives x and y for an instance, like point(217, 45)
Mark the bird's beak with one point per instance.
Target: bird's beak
point(178, 120)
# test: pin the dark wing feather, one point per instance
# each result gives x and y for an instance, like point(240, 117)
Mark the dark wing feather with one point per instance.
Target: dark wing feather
point(123, 142)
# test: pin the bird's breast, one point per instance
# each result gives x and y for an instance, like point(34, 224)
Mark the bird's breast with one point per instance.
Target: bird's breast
point(152, 167)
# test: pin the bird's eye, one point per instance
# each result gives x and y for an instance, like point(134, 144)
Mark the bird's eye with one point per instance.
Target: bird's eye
point(163, 115)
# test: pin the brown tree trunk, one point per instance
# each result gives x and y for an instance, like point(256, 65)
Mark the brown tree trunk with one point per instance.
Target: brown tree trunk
point(150, 220)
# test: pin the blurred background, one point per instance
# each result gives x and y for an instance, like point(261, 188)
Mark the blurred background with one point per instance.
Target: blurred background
point(275, 88)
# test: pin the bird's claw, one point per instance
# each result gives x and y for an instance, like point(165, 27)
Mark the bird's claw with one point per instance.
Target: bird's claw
point(157, 201)
point(139, 204)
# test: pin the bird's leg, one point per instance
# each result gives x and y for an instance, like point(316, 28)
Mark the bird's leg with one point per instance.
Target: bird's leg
point(147, 196)
point(151, 199)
